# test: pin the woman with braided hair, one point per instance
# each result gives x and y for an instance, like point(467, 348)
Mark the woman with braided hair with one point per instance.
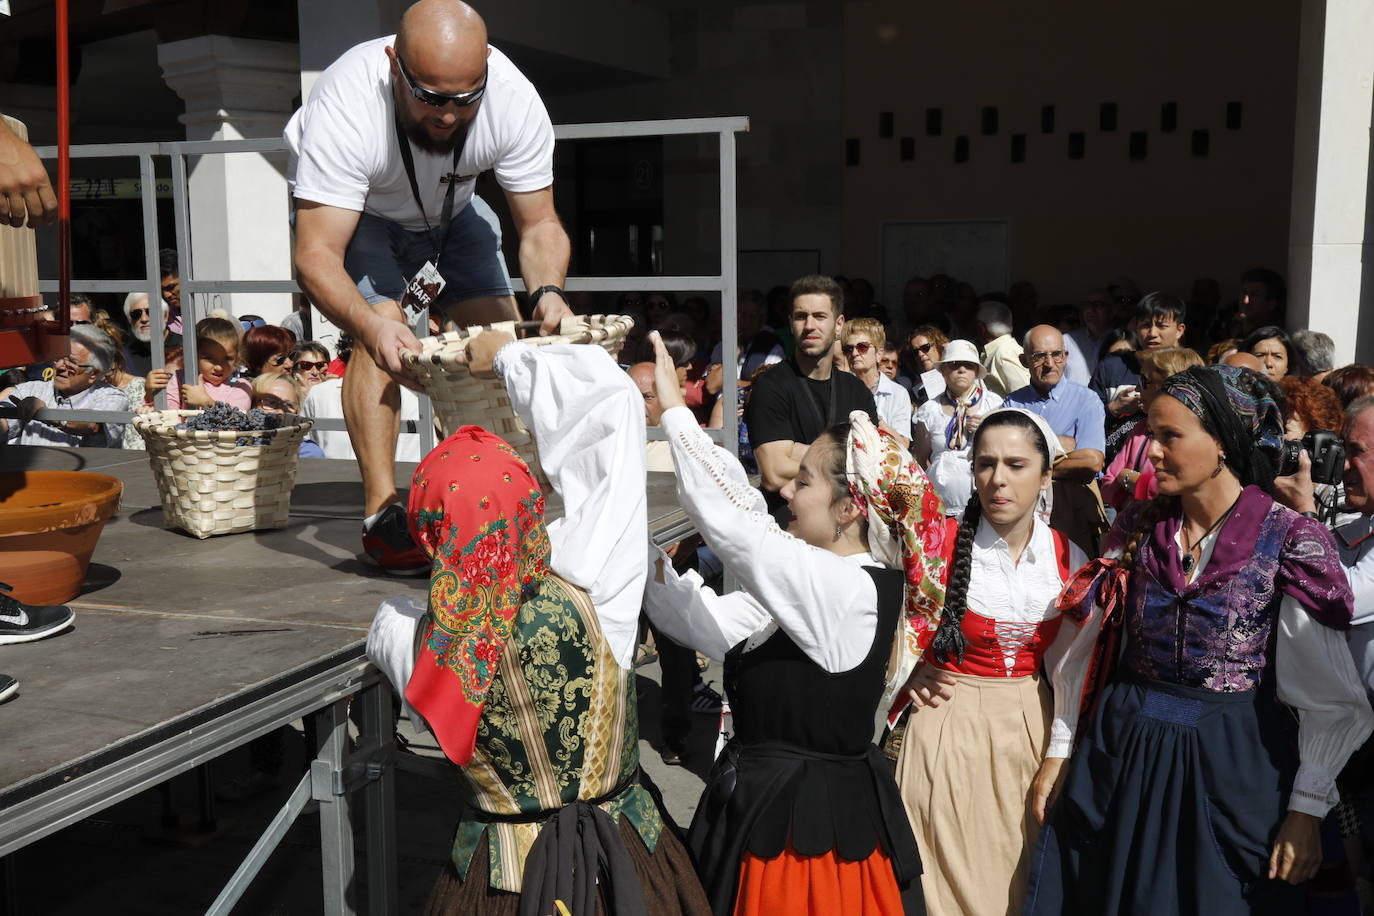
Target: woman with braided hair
point(801, 814)
point(979, 727)
point(1192, 789)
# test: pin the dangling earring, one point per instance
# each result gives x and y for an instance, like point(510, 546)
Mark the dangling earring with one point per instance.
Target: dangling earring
point(839, 532)
point(1221, 463)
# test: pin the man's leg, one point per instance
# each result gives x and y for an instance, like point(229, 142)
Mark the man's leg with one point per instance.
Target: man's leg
point(372, 410)
point(482, 310)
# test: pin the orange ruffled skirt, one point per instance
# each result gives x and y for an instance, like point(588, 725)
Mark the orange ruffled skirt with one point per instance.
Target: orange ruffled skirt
point(824, 885)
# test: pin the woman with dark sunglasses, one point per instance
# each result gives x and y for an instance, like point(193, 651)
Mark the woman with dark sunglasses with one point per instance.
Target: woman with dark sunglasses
point(310, 363)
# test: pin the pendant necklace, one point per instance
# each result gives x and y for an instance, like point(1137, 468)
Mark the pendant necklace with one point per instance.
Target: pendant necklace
point(1187, 561)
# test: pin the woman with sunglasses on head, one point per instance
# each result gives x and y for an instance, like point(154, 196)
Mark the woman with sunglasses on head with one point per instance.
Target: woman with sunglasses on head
point(861, 340)
point(978, 729)
point(801, 814)
point(1210, 757)
point(944, 427)
point(310, 363)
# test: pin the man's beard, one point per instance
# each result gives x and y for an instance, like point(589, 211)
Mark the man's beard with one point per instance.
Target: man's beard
point(426, 141)
point(144, 335)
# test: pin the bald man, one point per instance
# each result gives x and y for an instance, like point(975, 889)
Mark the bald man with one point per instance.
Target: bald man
point(1242, 360)
point(389, 144)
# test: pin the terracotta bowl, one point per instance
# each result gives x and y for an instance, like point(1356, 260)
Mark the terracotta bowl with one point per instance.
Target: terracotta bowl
point(49, 524)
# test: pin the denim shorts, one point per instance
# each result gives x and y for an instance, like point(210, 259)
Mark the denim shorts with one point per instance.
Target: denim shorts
point(382, 256)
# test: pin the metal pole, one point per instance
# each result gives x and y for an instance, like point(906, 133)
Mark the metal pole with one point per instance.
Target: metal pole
point(379, 731)
point(64, 175)
point(336, 829)
point(729, 292)
point(181, 207)
point(262, 850)
point(148, 176)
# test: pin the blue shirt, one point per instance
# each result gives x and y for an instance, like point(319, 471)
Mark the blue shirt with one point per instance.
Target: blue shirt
point(1071, 410)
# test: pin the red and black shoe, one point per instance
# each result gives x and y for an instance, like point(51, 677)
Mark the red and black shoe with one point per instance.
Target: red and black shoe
point(387, 543)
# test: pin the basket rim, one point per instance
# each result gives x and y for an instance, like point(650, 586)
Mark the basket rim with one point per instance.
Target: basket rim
point(435, 347)
point(160, 423)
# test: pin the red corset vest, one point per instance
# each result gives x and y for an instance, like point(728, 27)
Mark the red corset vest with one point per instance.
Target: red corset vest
point(1002, 648)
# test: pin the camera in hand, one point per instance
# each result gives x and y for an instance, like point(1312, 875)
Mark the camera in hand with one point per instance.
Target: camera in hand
point(1326, 450)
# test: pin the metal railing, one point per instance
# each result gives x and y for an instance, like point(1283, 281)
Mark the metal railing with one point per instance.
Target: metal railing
point(725, 282)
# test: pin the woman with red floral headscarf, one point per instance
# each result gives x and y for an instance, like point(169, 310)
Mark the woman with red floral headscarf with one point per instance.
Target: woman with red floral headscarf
point(519, 663)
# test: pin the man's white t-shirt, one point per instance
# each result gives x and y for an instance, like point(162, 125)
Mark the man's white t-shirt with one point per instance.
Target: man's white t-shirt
point(343, 149)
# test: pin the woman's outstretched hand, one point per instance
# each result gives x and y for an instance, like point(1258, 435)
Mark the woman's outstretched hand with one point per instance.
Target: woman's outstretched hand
point(666, 385)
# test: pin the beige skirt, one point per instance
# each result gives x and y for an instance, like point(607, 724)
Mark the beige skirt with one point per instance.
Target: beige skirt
point(965, 771)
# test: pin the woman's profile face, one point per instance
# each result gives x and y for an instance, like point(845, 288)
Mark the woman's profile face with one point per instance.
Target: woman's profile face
point(1009, 474)
point(927, 354)
point(810, 497)
point(1183, 453)
point(1273, 355)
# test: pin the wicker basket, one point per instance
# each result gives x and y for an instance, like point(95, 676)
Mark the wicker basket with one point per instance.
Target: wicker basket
point(211, 486)
point(459, 399)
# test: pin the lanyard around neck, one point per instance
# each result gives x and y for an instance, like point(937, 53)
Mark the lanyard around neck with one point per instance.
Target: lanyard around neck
point(446, 215)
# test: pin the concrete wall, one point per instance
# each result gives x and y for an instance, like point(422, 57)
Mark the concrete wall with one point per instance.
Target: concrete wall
point(1164, 220)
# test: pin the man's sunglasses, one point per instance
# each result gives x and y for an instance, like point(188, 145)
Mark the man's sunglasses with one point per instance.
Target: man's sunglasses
point(306, 365)
point(440, 99)
point(139, 314)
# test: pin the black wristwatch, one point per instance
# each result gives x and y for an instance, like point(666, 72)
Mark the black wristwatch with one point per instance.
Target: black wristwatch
point(1310, 515)
point(534, 300)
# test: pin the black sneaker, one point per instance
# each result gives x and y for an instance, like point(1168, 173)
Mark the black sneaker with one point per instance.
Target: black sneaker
point(8, 686)
point(387, 543)
point(20, 622)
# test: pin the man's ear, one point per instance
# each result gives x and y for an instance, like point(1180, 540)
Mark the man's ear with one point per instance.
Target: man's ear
point(1025, 362)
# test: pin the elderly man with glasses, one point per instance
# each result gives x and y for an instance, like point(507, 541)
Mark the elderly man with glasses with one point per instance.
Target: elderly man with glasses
point(78, 383)
point(1077, 417)
point(384, 157)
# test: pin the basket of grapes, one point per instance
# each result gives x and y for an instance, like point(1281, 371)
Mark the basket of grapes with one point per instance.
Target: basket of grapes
point(459, 398)
point(221, 470)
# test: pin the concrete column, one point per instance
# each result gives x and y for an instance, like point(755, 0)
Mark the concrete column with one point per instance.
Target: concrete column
point(237, 88)
point(1331, 169)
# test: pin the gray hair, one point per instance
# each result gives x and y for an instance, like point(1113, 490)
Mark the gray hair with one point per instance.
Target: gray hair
point(102, 347)
point(130, 301)
point(1357, 407)
point(1317, 348)
point(996, 317)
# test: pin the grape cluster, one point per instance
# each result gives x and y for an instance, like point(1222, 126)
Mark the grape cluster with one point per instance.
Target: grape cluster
point(222, 416)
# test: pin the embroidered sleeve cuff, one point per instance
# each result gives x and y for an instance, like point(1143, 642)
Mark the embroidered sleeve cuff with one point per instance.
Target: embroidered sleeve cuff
point(509, 351)
point(1061, 741)
point(1314, 791)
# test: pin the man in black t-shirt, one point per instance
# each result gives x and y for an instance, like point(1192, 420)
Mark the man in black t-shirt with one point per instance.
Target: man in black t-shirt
point(793, 402)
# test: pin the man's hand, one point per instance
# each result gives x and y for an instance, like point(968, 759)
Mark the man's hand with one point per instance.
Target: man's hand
point(715, 378)
point(665, 375)
point(482, 350)
point(384, 339)
point(550, 311)
point(1295, 491)
point(28, 407)
point(1297, 849)
point(25, 192)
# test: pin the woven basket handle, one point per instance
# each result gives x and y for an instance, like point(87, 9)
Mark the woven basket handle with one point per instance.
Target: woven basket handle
point(574, 331)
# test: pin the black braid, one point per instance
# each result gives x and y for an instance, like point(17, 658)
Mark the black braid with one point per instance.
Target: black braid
point(949, 635)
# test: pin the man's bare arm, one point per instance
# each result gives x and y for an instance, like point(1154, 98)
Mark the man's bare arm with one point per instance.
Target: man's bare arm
point(779, 462)
point(1080, 466)
point(544, 252)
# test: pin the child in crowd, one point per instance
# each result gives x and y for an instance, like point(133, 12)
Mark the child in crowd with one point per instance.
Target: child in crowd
point(217, 352)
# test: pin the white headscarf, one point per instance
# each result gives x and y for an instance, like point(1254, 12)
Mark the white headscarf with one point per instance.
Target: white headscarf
point(1056, 449)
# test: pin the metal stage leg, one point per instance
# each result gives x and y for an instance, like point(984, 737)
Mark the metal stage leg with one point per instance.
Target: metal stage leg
point(336, 830)
point(261, 850)
point(379, 736)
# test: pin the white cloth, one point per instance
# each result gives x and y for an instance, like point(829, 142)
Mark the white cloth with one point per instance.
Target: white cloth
point(894, 405)
point(343, 149)
point(391, 646)
point(1314, 674)
point(951, 471)
point(325, 401)
point(587, 418)
point(824, 602)
point(1357, 556)
point(1076, 364)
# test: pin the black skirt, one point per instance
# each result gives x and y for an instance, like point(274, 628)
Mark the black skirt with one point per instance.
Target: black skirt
point(1170, 806)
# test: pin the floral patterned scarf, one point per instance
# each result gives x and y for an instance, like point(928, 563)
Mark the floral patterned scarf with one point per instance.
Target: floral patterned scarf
point(479, 514)
point(907, 530)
